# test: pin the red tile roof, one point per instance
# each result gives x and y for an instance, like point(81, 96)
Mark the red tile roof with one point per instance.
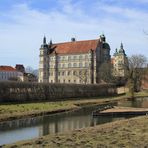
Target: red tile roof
point(75, 46)
point(7, 68)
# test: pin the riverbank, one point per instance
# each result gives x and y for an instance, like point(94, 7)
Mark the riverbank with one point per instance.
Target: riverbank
point(25, 110)
point(123, 133)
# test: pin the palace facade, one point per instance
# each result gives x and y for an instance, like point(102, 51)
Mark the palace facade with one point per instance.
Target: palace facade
point(73, 62)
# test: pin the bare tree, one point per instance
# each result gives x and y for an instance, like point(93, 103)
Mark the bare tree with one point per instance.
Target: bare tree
point(29, 69)
point(105, 72)
point(83, 75)
point(137, 67)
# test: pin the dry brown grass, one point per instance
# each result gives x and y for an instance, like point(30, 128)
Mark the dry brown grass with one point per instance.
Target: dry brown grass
point(131, 133)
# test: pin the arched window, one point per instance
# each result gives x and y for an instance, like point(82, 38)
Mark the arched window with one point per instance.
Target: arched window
point(75, 65)
point(80, 57)
point(75, 57)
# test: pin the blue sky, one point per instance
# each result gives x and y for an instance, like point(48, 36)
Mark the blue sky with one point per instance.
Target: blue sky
point(23, 24)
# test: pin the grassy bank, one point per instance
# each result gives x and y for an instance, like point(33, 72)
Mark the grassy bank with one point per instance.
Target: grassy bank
point(14, 111)
point(124, 133)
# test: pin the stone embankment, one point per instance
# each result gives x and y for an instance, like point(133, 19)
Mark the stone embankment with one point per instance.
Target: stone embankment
point(24, 92)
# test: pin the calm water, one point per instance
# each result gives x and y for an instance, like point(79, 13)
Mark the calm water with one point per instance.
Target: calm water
point(23, 129)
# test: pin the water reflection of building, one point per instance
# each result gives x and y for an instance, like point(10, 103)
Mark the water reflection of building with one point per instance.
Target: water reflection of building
point(69, 123)
point(65, 124)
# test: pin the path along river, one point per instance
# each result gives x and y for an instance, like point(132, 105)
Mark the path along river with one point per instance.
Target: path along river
point(24, 129)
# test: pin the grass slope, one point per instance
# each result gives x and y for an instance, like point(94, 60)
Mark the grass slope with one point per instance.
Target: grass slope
point(132, 133)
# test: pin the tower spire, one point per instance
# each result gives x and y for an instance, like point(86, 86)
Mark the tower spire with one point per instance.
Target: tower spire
point(50, 42)
point(44, 40)
point(121, 46)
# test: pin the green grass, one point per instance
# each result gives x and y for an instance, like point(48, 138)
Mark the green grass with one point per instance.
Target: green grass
point(15, 110)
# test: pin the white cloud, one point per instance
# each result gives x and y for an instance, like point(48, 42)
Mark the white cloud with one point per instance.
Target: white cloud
point(21, 38)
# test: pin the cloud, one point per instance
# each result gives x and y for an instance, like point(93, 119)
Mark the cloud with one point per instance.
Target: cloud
point(23, 26)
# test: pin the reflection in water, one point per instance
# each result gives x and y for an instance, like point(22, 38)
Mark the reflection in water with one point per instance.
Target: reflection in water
point(59, 123)
point(68, 123)
point(138, 102)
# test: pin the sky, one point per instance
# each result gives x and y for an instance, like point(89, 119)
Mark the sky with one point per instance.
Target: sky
point(23, 23)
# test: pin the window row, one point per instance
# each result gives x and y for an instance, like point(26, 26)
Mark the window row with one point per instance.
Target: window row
point(68, 81)
point(71, 65)
point(71, 57)
point(69, 73)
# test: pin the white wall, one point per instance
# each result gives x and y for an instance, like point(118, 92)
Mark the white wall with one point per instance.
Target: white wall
point(6, 75)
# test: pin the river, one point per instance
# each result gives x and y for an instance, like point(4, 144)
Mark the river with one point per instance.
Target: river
point(24, 129)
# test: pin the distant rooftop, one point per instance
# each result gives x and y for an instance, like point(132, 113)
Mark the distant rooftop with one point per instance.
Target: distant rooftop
point(7, 68)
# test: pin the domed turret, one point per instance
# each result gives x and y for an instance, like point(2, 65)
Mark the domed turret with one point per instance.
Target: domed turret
point(103, 38)
point(44, 62)
point(44, 44)
point(121, 50)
